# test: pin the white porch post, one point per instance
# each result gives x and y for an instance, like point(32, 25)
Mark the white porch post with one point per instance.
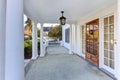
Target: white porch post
point(62, 43)
point(70, 39)
point(118, 43)
point(2, 37)
point(14, 63)
point(75, 38)
point(34, 41)
point(41, 42)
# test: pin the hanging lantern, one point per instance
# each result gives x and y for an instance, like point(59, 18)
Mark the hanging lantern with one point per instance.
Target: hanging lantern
point(62, 19)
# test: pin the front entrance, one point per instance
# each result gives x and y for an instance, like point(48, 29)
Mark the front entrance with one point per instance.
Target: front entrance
point(92, 41)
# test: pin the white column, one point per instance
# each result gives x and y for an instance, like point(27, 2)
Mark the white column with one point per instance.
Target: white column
point(2, 37)
point(75, 40)
point(62, 41)
point(34, 41)
point(118, 42)
point(63, 34)
point(78, 44)
point(14, 63)
point(41, 42)
point(70, 39)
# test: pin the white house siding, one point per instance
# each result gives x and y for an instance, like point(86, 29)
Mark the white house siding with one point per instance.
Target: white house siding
point(99, 13)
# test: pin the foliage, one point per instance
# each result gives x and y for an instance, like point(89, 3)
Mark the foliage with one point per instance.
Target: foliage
point(28, 28)
point(38, 33)
point(56, 32)
point(29, 22)
point(27, 49)
point(39, 47)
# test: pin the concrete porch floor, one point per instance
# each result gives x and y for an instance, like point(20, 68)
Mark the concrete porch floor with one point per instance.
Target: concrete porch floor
point(63, 67)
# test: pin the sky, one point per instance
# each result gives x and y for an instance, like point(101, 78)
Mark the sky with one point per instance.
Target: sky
point(45, 24)
point(25, 18)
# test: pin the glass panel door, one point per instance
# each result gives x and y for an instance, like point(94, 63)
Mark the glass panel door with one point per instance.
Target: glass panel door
point(109, 41)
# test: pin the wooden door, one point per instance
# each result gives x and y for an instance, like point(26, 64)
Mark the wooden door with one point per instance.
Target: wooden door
point(92, 41)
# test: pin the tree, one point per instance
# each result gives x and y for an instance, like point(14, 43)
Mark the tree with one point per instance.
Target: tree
point(28, 28)
point(29, 23)
point(56, 32)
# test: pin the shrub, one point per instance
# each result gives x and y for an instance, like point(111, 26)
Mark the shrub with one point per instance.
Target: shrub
point(38, 47)
point(28, 49)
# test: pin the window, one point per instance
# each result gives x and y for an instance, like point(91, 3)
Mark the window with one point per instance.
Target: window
point(67, 32)
point(83, 39)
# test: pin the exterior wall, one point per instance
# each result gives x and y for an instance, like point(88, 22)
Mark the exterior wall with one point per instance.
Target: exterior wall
point(91, 16)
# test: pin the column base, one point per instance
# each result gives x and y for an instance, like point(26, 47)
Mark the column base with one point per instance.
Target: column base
point(42, 55)
point(34, 57)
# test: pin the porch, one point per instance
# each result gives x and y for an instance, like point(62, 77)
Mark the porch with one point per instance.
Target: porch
point(78, 13)
point(63, 66)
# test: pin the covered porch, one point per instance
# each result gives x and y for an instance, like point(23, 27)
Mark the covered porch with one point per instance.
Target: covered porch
point(76, 37)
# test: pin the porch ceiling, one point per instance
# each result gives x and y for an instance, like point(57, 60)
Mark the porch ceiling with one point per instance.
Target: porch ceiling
point(49, 10)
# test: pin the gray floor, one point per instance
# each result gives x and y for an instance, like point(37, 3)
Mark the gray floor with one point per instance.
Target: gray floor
point(56, 50)
point(63, 67)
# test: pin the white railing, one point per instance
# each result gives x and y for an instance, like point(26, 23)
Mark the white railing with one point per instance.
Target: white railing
point(54, 43)
point(44, 47)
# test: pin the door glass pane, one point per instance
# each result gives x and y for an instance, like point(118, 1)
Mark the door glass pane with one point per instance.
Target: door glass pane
point(112, 64)
point(105, 21)
point(111, 19)
point(111, 41)
point(111, 46)
point(111, 29)
point(106, 61)
point(111, 36)
point(112, 55)
point(106, 29)
point(106, 53)
point(105, 37)
point(105, 45)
